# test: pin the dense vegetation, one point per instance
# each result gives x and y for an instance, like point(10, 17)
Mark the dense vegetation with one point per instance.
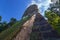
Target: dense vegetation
point(13, 30)
point(4, 25)
point(53, 19)
point(53, 16)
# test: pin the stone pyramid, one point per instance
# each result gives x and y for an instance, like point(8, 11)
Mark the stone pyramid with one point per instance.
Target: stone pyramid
point(36, 28)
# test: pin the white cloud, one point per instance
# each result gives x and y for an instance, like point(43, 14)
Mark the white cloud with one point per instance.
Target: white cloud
point(40, 3)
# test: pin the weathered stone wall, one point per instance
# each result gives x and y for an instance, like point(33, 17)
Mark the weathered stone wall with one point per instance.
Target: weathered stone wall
point(42, 29)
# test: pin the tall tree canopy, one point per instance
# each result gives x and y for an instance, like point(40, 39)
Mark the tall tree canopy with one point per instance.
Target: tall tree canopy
point(0, 18)
point(53, 19)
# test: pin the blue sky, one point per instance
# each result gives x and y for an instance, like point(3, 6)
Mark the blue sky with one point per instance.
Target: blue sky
point(16, 8)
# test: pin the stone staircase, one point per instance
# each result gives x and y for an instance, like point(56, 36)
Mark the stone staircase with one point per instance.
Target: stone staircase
point(25, 32)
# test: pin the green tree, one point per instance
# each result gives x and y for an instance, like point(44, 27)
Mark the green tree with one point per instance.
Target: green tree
point(12, 21)
point(0, 24)
point(0, 18)
point(53, 19)
point(3, 26)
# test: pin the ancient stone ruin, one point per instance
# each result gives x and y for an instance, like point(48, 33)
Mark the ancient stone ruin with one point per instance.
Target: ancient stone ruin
point(36, 28)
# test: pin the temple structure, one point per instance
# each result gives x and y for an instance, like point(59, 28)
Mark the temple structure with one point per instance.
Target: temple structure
point(36, 28)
